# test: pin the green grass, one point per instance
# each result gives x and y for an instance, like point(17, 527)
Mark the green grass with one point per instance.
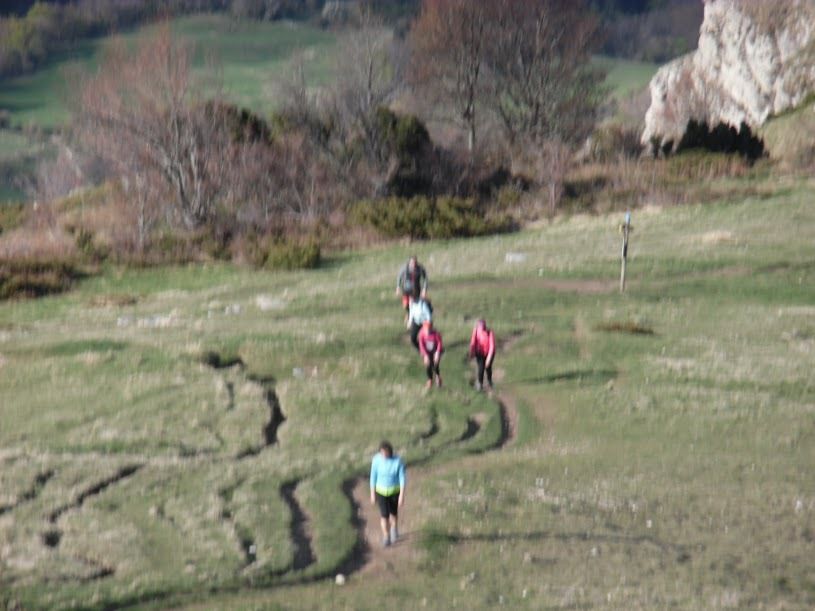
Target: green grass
point(249, 56)
point(625, 76)
point(658, 470)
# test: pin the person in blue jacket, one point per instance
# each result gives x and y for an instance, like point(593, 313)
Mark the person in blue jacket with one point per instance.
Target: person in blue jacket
point(388, 490)
point(418, 312)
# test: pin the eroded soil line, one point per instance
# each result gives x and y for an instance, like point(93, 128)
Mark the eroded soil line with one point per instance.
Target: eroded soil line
point(30, 494)
point(276, 417)
point(94, 490)
point(300, 527)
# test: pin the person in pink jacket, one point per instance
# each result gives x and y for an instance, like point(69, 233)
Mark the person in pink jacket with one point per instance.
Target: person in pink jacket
point(482, 348)
point(431, 348)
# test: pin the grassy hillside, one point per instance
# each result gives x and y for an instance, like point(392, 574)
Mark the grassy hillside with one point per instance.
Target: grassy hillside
point(249, 56)
point(625, 77)
point(243, 58)
point(173, 431)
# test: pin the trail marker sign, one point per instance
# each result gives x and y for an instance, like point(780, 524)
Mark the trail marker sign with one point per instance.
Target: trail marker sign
point(626, 228)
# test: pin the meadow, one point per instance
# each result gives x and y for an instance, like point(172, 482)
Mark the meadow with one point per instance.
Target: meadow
point(243, 61)
point(246, 56)
point(193, 436)
point(625, 77)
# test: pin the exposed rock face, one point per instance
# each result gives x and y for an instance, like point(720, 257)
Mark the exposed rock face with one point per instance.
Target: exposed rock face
point(754, 60)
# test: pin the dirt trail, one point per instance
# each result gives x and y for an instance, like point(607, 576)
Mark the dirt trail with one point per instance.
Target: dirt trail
point(373, 559)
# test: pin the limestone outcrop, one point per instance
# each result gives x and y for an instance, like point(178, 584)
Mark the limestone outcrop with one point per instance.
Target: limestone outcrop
point(755, 59)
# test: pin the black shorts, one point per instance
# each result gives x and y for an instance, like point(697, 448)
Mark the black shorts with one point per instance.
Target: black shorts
point(388, 505)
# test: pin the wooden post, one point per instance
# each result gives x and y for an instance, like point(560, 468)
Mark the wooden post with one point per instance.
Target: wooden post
point(626, 229)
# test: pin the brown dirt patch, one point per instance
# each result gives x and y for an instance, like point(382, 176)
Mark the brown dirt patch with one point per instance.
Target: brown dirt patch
point(385, 561)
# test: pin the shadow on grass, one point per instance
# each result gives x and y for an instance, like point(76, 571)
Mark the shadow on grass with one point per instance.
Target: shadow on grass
point(22, 279)
point(360, 554)
point(74, 348)
point(31, 493)
point(580, 375)
point(303, 556)
point(631, 328)
point(435, 537)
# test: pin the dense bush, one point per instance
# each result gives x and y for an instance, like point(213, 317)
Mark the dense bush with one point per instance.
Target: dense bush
point(293, 255)
point(22, 278)
point(11, 216)
point(242, 124)
point(423, 217)
point(404, 142)
point(404, 135)
point(88, 247)
point(614, 140)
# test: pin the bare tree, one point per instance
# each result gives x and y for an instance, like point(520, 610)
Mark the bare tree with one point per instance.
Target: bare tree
point(368, 74)
point(57, 177)
point(140, 113)
point(448, 44)
point(542, 86)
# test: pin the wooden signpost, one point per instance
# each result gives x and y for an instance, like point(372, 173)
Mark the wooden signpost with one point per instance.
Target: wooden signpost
point(625, 228)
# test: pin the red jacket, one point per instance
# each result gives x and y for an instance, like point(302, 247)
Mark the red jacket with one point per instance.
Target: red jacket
point(429, 342)
point(482, 343)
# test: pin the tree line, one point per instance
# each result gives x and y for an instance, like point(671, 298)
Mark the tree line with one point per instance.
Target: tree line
point(32, 31)
point(513, 76)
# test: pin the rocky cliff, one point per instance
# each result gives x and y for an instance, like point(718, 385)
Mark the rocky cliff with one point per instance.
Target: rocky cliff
point(755, 59)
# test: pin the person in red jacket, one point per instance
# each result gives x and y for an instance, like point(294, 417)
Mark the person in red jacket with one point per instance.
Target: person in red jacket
point(431, 348)
point(482, 348)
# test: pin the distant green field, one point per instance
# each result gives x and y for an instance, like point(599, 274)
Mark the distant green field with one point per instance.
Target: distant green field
point(665, 437)
point(245, 59)
point(249, 55)
point(625, 76)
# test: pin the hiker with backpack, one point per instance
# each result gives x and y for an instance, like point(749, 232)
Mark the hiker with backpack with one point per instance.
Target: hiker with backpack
point(388, 490)
point(419, 311)
point(482, 348)
point(411, 283)
point(431, 349)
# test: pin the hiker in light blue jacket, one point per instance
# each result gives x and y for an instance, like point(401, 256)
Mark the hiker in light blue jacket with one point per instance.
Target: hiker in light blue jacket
point(388, 490)
point(419, 312)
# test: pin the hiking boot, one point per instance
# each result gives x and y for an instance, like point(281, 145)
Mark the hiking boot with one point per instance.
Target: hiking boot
point(477, 386)
point(438, 381)
point(394, 535)
point(386, 541)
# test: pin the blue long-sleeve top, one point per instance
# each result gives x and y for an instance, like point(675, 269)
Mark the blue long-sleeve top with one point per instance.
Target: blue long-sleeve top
point(387, 474)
